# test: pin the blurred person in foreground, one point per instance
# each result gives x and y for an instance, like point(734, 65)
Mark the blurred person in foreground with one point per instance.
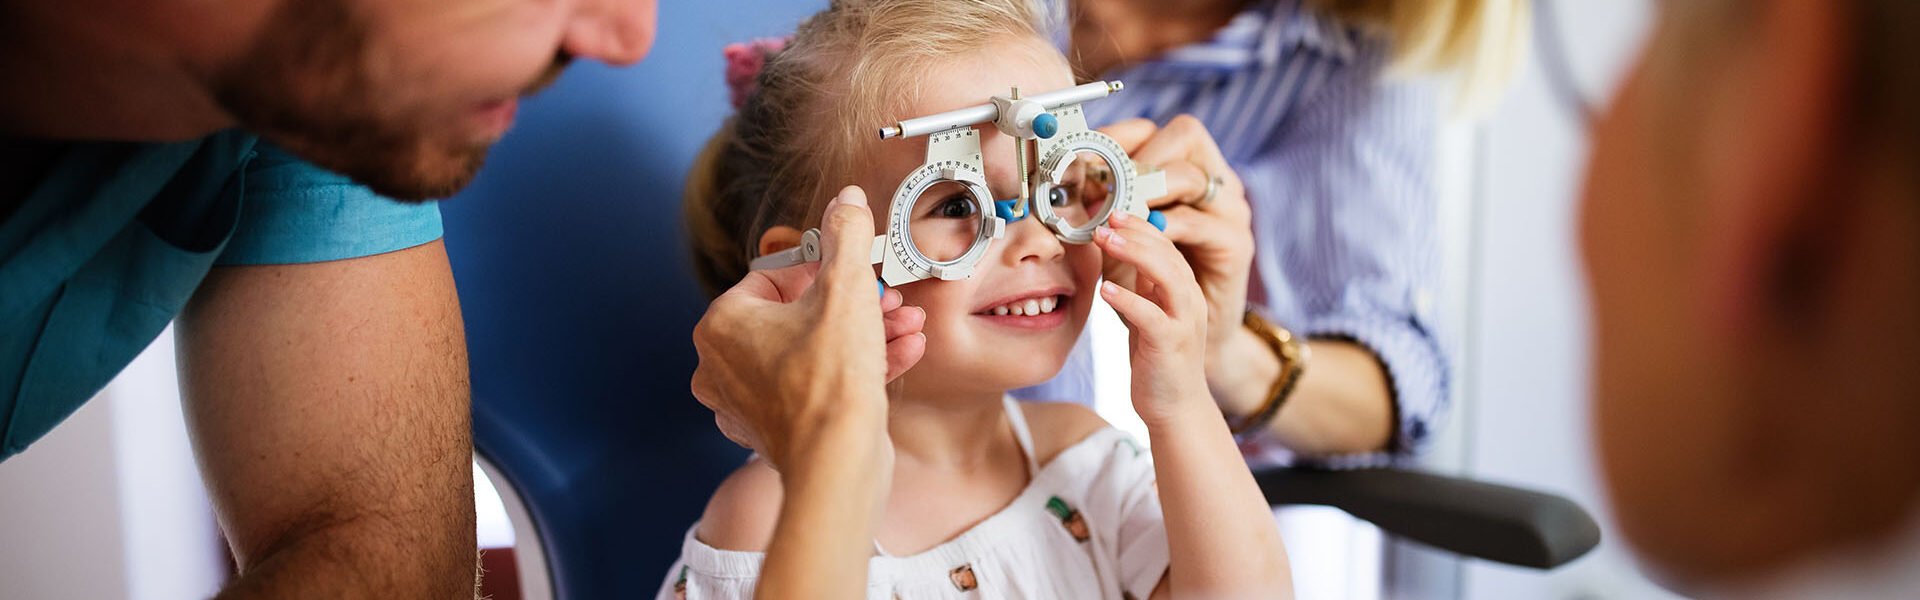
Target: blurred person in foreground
point(1752, 233)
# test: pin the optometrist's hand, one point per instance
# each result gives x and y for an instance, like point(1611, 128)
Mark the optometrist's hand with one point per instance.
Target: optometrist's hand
point(788, 351)
point(1215, 234)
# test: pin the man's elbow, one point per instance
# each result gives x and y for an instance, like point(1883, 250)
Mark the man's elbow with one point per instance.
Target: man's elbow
point(372, 558)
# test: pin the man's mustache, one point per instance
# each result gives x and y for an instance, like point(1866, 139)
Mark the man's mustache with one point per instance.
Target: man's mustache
point(560, 62)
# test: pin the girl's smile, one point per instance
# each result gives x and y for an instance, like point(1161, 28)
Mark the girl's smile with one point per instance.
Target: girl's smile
point(1039, 310)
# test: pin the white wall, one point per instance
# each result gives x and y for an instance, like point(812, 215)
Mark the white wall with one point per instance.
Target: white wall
point(109, 505)
point(1525, 370)
point(60, 530)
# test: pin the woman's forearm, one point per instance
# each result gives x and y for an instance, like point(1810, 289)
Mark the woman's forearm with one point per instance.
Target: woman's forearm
point(1220, 531)
point(1342, 405)
point(834, 486)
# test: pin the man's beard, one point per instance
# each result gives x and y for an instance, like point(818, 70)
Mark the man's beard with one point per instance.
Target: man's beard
point(308, 87)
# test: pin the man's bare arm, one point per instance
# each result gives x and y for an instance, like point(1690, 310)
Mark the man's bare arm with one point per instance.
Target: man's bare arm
point(328, 404)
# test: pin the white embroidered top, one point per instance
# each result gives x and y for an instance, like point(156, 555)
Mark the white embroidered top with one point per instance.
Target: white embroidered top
point(1088, 525)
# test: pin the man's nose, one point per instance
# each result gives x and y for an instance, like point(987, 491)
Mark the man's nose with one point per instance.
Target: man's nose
point(616, 32)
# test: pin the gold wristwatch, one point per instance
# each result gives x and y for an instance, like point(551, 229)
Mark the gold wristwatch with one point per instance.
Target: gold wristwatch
point(1294, 356)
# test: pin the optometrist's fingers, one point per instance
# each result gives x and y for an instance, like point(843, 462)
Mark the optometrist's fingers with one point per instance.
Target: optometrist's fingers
point(708, 390)
point(1186, 223)
point(905, 320)
point(903, 352)
point(735, 432)
point(1184, 138)
point(1186, 184)
point(781, 285)
point(1130, 133)
point(702, 384)
point(846, 241)
point(808, 323)
point(1204, 234)
point(890, 299)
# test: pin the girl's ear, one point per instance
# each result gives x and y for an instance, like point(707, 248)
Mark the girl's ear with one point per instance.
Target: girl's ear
point(777, 238)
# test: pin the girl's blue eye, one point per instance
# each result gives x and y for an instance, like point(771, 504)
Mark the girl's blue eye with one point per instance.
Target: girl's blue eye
point(1058, 197)
point(956, 207)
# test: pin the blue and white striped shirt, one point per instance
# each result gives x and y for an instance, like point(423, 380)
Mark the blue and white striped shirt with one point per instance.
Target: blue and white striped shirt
point(1338, 166)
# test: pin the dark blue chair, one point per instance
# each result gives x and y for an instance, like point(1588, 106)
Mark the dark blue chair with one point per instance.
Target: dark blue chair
point(573, 272)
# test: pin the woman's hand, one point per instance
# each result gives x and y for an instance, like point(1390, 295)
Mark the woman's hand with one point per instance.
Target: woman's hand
point(1150, 285)
point(788, 355)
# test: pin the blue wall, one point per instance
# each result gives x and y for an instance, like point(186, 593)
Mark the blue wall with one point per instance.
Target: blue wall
point(571, 259)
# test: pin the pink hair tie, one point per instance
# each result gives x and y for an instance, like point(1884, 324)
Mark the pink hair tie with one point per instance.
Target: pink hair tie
point(744, 61)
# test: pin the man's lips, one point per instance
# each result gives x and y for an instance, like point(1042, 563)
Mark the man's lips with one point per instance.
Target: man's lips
point(496, 116)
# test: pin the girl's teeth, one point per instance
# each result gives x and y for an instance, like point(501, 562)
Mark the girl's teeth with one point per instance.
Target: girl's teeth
point(1029, 308)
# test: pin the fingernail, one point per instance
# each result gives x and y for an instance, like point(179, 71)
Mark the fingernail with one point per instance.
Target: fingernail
point(1107, 287)
point(1111, 237)
point(1119, 217)
point(845, 196)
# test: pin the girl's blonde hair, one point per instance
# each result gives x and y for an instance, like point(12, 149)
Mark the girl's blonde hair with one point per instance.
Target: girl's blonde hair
point(1479, 41)
point(818, 105)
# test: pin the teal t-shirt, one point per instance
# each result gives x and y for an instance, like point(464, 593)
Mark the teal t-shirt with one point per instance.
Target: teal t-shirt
point(107, 246)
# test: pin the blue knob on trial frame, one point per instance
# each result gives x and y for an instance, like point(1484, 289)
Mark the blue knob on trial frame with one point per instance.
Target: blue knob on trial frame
point(1004, 208)
point(1045, 125)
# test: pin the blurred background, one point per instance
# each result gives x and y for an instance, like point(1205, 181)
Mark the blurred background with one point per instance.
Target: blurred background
point(571, 264)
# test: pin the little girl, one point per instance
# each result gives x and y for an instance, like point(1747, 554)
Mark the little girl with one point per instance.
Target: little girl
point(989, 497)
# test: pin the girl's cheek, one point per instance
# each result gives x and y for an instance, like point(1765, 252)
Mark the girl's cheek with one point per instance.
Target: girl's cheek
point(1085, 259)
point(940, 298)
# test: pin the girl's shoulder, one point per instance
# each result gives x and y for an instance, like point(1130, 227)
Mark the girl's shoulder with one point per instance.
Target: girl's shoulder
point(1057, 426)
point(744, 509)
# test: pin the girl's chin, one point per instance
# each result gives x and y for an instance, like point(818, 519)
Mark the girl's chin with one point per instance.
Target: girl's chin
point(1001, 371)
point(1014, 370)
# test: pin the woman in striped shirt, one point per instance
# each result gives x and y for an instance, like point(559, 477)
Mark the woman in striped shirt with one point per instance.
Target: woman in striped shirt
point(1329, 161)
